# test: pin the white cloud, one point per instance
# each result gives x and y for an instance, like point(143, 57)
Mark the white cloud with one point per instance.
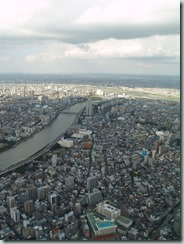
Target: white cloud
point(166, 46)
point(15, 13)
point(155, 46)
point(131, 11)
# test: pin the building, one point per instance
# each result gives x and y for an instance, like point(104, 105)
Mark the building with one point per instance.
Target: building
point(78, 206)
point(53, 199)
point(94, 197)
point(42, 192)
point(69, 181)
point(28, 232)
point(31, 193)
point(99, 226)
point(177, 225)
point(91, 183)
point(69, 217)
point(10, 201)
point(89, 108)
point(132, 234)
point(124, 222)
point(136, 165)
point(71, 229)
point(28, 206)
point(108, 210)
point(162, 149)
point(15, 214)
point(65, 143)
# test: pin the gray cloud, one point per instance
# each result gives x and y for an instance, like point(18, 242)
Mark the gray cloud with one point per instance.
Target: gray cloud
point(77, 35)
point(51, 32)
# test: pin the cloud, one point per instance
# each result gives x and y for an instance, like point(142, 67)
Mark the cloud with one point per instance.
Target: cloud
point(152, 49)
point(131, 11)
point(91, 34)
point(16, 13)
point(87, 21)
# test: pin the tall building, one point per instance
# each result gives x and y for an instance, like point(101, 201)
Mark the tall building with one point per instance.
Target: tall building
point(94, 197)
point(31, 193)
point(15, 214)
point(42, 192)
point(28, 206)
point(91, 183)
point(10, 201)
point(53, 199)
point(89, 108)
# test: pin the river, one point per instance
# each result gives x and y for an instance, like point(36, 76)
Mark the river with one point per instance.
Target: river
point(41, 139)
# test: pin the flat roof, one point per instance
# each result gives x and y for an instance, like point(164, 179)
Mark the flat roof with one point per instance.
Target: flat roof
point(92, 220)
point(101, 224)
point(124, 220)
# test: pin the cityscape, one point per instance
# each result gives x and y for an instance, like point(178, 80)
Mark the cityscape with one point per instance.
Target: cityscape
point(114, 174)
point(90, 120)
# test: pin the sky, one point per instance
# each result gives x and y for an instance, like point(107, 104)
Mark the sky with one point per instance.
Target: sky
point(90, 36)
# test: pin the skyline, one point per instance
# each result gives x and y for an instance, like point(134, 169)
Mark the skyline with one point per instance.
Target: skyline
point(90, 37)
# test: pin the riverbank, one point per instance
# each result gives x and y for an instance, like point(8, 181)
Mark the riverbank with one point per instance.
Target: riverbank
point(14, 144)
point(41, 151)
point(41, 142)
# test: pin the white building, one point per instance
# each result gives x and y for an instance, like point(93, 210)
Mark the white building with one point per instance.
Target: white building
point(53, 199)
point(108, 210)
point(99, 92)
point(15, 214)
point(65, 143)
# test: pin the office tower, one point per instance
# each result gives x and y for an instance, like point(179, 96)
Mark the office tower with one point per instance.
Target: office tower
point(23, 91)
point(53, 199)
point(28, 206)
point(10, 201)
point(31, 193)
point(154, 153)
point(15, 214)
point(95, 197)
point(42, 192)
point(157, 144)
point(91, 183)
point(89, 108)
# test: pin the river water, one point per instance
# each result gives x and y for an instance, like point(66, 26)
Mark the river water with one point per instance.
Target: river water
point(39, 140)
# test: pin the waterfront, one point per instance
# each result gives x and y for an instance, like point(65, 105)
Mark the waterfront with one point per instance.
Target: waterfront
point(41, 139)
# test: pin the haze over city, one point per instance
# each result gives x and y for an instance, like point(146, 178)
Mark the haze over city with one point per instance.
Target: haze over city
point(95, 36)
